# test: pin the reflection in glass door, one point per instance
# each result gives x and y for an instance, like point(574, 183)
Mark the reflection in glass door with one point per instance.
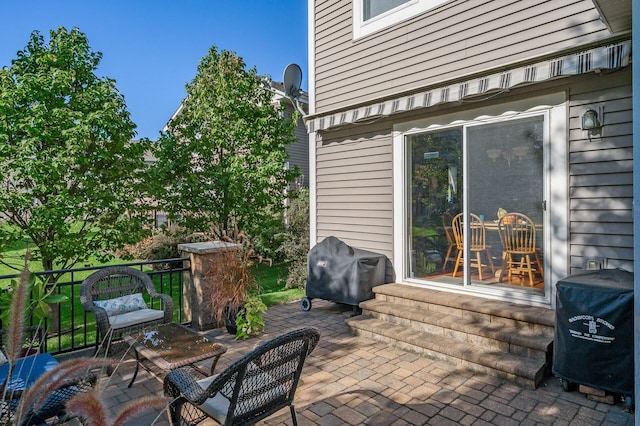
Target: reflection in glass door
point(435, 196)
point(502, 177)
point(505, 182)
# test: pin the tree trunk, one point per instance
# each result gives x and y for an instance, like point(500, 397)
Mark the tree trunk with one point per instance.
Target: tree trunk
point(54, 309)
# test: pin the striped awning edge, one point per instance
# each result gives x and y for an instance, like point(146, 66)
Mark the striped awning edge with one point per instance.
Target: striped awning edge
point(599, 58)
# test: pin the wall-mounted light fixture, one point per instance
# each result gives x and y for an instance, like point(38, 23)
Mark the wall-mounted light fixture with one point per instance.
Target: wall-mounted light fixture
point(590, 120)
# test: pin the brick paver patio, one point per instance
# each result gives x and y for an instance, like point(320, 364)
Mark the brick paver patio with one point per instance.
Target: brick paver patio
point(350, 380)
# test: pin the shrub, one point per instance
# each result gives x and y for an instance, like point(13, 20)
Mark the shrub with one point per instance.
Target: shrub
point(296, 242)
point(162, 244)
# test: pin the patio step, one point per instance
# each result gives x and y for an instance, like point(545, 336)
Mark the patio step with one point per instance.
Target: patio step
point(506, 340)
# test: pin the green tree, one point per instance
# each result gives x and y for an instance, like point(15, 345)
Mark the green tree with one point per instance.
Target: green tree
point(296, 240)
point(221, 160)
point(71, 176)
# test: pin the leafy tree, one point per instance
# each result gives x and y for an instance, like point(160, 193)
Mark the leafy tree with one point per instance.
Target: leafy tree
point(71, 177)
point(221, 160)
point(296, 241)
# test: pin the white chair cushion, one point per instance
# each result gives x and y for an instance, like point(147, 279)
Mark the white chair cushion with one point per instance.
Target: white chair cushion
point(216, 407)
point(134, 317)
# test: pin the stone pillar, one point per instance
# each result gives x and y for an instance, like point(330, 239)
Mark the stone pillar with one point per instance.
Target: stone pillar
point(196, 289)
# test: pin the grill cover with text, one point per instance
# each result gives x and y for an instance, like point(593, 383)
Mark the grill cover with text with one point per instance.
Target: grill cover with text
point(593, 342)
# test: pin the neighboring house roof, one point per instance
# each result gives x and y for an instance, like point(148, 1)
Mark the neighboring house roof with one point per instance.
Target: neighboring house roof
point(278, 89)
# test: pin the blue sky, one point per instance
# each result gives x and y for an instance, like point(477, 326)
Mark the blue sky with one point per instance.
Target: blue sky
point(152, 48)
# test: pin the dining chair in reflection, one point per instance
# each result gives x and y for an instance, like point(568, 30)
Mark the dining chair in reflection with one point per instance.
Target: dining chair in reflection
point(518, 236)
point(448, 232)
point(477, 243)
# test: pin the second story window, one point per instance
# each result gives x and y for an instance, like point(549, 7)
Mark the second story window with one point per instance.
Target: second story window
point(370, 16)
point(373, 8)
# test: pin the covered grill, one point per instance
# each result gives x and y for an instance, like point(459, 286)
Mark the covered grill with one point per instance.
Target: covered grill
point(593, 342)
point(342, 274)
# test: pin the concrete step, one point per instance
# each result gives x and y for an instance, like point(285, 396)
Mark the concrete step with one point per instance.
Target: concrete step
point(524, 371)
point(537, 320)
point(497, 338)
point(493, 336)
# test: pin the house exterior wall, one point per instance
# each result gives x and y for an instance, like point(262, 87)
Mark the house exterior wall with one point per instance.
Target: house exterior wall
point(357, 185)
point(601, 173)
point(453, 41)
point(299, 151)
point(354, 187)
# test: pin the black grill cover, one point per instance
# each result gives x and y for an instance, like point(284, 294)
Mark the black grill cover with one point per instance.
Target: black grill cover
point(593, 342)
point(340, 273)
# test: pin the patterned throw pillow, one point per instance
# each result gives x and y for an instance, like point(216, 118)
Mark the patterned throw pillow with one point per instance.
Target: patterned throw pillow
point(123, 304)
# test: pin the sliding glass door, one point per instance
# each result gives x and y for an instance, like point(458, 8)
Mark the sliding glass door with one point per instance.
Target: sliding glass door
point(481, 172)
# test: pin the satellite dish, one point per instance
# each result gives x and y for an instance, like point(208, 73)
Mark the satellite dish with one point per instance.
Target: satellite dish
point(292, 79)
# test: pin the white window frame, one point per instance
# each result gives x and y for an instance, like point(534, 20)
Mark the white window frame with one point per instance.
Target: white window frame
point(391, 17)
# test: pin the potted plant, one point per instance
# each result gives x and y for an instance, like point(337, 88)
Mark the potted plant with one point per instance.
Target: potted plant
point(249, 321)
point(230, 281)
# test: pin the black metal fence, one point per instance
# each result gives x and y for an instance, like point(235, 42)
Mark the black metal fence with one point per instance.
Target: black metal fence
point(70, 328)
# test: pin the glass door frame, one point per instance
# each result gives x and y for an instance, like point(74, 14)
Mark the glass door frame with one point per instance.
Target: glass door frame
point(555, 109)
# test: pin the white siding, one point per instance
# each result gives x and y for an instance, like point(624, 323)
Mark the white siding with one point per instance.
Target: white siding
point(601, 173)
point(458, 39)
point(355, 189)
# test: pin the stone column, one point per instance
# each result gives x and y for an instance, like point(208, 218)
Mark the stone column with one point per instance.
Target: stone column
point(196, 288)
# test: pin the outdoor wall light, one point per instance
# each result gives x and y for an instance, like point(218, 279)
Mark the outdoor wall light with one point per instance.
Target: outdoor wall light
point(590, 120)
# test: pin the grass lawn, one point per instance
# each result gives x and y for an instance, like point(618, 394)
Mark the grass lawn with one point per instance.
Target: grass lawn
point(272, 279)
point(15, 256)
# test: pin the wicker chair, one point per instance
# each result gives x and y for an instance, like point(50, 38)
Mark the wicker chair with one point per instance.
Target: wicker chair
point(117, 281)
point(33, 362)
point(252, 388)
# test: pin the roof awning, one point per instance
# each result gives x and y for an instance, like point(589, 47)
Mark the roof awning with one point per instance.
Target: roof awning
point(599, 58)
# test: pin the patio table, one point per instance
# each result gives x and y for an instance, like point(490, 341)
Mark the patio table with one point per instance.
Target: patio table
point(170, 346)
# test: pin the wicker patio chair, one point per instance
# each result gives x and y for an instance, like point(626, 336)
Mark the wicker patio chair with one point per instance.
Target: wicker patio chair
point(252, 388)
point(111, 284)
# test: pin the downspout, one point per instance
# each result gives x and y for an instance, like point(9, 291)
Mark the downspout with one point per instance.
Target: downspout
point(636, 195)
point(313, 231)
